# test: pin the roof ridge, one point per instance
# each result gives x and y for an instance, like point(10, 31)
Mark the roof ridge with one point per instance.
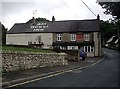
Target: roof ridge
point(62, 21)
point(77, 20)
point(19, 23)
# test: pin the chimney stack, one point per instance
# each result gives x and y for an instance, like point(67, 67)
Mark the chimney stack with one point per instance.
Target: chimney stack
point(98, 17)
point(53, 19)
point(34, 13)
point(33, 20)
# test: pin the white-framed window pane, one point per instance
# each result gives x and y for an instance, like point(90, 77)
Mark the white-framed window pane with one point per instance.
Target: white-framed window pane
point(92, 49)
point(88, 49)
point(85, 48)
point(59, 37)
point(72, 47)
point(73, 37)
point(86, 37)
point(63, 47)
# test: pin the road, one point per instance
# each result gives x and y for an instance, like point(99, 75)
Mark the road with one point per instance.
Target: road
point(102, 74)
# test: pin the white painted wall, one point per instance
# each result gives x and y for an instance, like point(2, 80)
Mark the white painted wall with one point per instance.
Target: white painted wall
point(90, 54)
point(23, 39)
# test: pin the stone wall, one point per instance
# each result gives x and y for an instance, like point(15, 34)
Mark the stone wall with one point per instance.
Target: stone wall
point(12, 61)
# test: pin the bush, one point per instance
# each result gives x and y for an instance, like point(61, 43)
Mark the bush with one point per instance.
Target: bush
point(57, 49)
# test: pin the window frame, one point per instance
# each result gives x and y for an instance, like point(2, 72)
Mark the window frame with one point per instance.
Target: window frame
point(72, 37)
point(88, 48)
point(72, 47)
point(86, 37)
point(59, 36)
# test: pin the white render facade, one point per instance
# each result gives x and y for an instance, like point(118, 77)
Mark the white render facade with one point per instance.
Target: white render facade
point(24, 39)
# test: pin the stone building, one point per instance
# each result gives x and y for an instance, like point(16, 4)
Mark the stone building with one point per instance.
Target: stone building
point(66, 35)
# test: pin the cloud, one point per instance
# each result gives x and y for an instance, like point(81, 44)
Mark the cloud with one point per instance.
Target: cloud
point(21, 11)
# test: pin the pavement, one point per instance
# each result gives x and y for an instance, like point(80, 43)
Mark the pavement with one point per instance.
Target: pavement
point(17, 77)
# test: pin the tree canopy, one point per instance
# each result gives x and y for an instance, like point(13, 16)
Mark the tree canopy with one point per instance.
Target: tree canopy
point(4, 30)
point(112, 8)
point(110, 29)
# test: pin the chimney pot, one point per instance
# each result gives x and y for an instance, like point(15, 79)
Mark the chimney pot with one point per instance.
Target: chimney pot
point(33, 20)
point(98, 17)
point(53, 19)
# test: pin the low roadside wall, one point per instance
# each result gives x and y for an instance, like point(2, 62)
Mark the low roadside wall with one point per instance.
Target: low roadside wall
point(12, 61)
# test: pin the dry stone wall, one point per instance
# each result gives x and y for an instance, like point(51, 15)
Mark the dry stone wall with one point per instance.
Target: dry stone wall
point(12, 61)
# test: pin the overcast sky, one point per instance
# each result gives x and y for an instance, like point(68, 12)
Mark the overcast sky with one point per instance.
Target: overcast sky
point(20, 11)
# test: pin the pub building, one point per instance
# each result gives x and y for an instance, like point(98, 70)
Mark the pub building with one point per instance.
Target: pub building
point(65, 35)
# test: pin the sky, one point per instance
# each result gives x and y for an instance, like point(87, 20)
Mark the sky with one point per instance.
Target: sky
point(20, 11)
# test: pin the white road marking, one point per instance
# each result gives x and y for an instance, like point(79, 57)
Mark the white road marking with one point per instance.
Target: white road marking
point(76, 71)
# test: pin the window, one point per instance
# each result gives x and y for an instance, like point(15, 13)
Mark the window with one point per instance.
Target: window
point(39, 39)
point(92, 49)
point(73, 37)
point(86, 37)
point(88, 49)
point(72, 47)
point(85, 48)
point(59, 37)
point(63, 47)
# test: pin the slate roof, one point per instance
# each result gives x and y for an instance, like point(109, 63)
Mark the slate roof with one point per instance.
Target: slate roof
point(59, 26)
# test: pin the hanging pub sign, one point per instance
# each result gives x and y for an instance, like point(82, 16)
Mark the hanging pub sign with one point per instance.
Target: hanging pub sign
point(39, 26)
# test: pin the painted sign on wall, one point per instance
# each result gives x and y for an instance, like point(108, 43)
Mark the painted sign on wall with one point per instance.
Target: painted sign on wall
point(39, 26)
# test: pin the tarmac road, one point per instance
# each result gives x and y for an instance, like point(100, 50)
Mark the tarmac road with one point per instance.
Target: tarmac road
point(102, 74)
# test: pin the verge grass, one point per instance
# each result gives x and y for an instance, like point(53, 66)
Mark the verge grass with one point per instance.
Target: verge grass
point(18, 49)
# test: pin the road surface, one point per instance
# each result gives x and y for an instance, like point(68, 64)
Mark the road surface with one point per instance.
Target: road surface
point(102, 74)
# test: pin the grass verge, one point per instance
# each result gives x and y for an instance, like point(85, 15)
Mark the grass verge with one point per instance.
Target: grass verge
point(26, 49)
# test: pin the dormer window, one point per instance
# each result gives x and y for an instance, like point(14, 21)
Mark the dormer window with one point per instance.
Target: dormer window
point(59, 37)
point(86, 37)
point(73, 37)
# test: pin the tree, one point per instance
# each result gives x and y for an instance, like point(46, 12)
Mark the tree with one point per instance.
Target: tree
point(4, 30)
point(107, 30)
point(112, 8)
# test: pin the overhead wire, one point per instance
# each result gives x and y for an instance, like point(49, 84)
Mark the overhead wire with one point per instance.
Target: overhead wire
point(88, 7)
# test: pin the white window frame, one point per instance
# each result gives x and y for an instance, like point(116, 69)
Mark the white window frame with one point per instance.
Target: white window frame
point(86, 37)
point(63, 47)
point(72, 47)
point(88, 49)
point(59, 37)
point(73, 37)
